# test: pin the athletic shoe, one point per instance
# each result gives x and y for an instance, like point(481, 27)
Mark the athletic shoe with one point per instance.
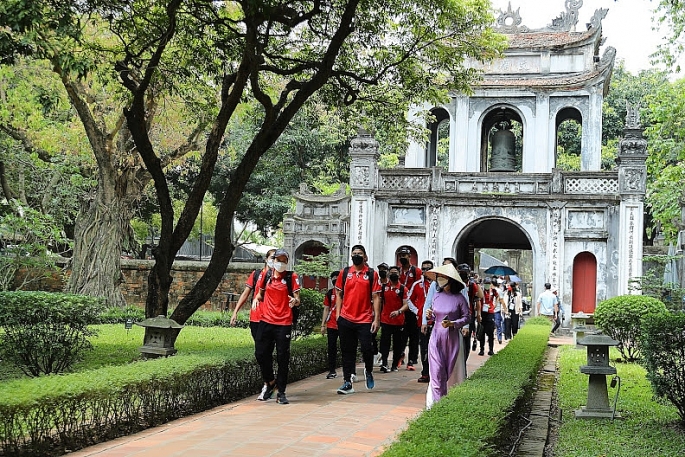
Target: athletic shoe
point(499, 341)
point(369, 379)
point(491, 353)
point(331, 375)
point(353, 377)
point(474, 345)
point(394, 369)
point(280, 398)
point(346, 388)
point(377, 359)
point(267, 392)
point(424, 378)
point(383, 369)
point(481, 352)
point(410, 366)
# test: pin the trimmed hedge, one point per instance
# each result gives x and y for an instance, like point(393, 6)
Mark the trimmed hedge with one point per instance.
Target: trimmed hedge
point(46, 416)
point(621, 319)
point(475, 417)
point(46, 332)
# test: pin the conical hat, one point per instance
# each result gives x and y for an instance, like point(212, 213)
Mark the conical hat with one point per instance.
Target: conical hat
point(444, 270)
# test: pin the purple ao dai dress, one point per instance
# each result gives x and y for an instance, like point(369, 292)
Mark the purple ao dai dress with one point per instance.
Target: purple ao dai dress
point(446, 359)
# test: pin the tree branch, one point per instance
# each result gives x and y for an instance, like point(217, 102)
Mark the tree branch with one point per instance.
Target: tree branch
point(26, 143)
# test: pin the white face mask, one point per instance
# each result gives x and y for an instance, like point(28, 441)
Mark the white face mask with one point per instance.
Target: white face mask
point(442, 282)
point(270, 263)
point(280, 266)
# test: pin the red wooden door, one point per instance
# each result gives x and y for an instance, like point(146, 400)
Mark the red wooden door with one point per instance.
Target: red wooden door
point(584, 283)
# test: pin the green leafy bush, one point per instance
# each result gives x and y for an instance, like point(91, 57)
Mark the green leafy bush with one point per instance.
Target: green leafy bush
point(662, 342)
point(46, 332)
point(311, 309)
point(621, 318)
point(116, 315)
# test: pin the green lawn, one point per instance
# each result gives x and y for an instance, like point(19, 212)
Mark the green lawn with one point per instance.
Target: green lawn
point(648, 427)
point(114, 345)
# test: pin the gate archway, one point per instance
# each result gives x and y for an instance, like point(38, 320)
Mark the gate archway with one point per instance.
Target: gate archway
point(584, 283)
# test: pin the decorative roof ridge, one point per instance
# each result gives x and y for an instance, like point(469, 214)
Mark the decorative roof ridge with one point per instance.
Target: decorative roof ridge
point(509, 22)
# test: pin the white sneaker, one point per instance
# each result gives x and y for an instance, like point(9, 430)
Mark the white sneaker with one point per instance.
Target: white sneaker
point(377, 359)
point(353, 378)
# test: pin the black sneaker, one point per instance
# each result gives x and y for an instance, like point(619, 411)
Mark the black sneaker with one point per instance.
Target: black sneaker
point(491, 353)
point(346, 388)
point(267, 392)
point(383, 369)
point(474, 345)
point(281, 398)
point(331, 375)
point(394, 369)
point(481, 353)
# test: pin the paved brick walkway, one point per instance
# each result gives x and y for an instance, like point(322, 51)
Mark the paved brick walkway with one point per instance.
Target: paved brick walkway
point(317, 422)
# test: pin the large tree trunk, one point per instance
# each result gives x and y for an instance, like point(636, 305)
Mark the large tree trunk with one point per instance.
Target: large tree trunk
point(98, 237)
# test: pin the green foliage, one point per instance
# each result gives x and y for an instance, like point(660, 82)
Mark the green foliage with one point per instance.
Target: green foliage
point(311, 309)
point(117, 315)
point(46, 332)
point(80, 406)
point(647, 427)
point(27, 241)
point(496, 391)
point(320, 265)
point(663, 346)
point(652, 282)
point(621, 319)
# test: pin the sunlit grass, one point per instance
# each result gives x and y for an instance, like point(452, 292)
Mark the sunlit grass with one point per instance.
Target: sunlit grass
point(648, 427)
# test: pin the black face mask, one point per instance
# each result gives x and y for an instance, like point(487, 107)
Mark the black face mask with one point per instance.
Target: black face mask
point(394, 277)
point(383, 274)
point(404, 261)
point(357, 259)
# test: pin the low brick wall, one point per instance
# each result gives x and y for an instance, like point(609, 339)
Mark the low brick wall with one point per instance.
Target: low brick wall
point(185, 273)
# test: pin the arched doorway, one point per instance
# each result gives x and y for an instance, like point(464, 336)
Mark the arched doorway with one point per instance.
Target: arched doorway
point(584, 283)
point(306, 251)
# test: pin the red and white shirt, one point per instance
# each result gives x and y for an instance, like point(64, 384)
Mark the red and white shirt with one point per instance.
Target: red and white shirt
point(357, 305)
point(393, 299)
point(275, 307)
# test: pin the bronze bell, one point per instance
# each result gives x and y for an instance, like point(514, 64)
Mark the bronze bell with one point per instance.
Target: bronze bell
point(503, 147)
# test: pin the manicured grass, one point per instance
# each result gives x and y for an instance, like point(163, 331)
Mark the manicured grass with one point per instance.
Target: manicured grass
point(114, 345)
point(648, 427)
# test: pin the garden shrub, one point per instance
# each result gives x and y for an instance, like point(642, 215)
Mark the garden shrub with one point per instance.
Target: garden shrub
point(311, 310)
point(117, 315)
point(662, 342)
point(620, 318)
point(46, 332)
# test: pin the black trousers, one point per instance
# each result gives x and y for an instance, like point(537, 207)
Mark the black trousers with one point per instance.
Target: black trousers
point(507, 327)
point(268, 337)
point(514, 323)
point(333, 335)
point(351, 335)
point(488, 323)
point(411, 336)
point(253, 330)
point(396, 332)
point(423, 341)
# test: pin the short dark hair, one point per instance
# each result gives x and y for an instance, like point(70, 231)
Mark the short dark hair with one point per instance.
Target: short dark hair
point(451, 260)
point(394, 267)
point(358, 246)
point(548, 285)
point(427, 262)
point(334, 274)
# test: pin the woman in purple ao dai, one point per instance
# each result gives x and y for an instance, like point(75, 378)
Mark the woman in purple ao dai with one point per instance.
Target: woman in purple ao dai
point(451, 311)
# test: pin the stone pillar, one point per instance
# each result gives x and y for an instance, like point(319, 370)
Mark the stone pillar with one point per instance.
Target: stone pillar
point(363, 183)
point(632, 181)
point(514, 258)
point(591, 143)
point(541, 162)
point(459, 137)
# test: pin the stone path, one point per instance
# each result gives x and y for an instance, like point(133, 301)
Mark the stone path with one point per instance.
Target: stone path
point(317, 422)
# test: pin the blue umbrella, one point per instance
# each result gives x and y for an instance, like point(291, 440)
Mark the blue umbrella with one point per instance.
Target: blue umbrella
point(500, 270)
point(514, 278)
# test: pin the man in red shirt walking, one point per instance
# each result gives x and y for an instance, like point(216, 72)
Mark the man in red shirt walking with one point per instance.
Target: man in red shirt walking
point(278, 292)
point(358, 308)
point(393, 306)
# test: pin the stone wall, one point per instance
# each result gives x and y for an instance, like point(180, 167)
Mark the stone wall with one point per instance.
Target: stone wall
point(185, 274)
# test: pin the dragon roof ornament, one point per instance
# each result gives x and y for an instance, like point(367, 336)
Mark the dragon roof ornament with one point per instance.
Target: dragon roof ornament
point(509, 21)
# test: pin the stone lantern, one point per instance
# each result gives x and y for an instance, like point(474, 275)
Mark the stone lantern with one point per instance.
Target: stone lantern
point(159, 337)
point(598, 368)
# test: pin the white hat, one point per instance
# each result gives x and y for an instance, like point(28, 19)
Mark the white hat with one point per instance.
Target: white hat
point(444, 270)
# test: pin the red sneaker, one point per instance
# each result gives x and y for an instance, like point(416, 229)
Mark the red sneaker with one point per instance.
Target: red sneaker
point(410, 367)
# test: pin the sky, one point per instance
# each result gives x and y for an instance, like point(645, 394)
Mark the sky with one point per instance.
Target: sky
point(627, 26)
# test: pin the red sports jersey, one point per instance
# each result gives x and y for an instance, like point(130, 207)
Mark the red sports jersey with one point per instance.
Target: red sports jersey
point(275, 307)
point(332, 320)
point(417, 295)
point(255, 314)
point(393, 301)
point(357, 306)
point(489, 300)
point(409, 277)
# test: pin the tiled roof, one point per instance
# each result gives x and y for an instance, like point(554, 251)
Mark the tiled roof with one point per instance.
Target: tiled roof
point(546, 40)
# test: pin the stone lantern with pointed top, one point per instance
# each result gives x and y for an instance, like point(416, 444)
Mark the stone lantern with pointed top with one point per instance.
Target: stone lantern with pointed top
point(598, 368)
point(159, 337)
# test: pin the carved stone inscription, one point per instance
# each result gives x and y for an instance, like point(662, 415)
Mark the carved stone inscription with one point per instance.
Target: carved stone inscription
point(585, 220)
point(403, 215)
